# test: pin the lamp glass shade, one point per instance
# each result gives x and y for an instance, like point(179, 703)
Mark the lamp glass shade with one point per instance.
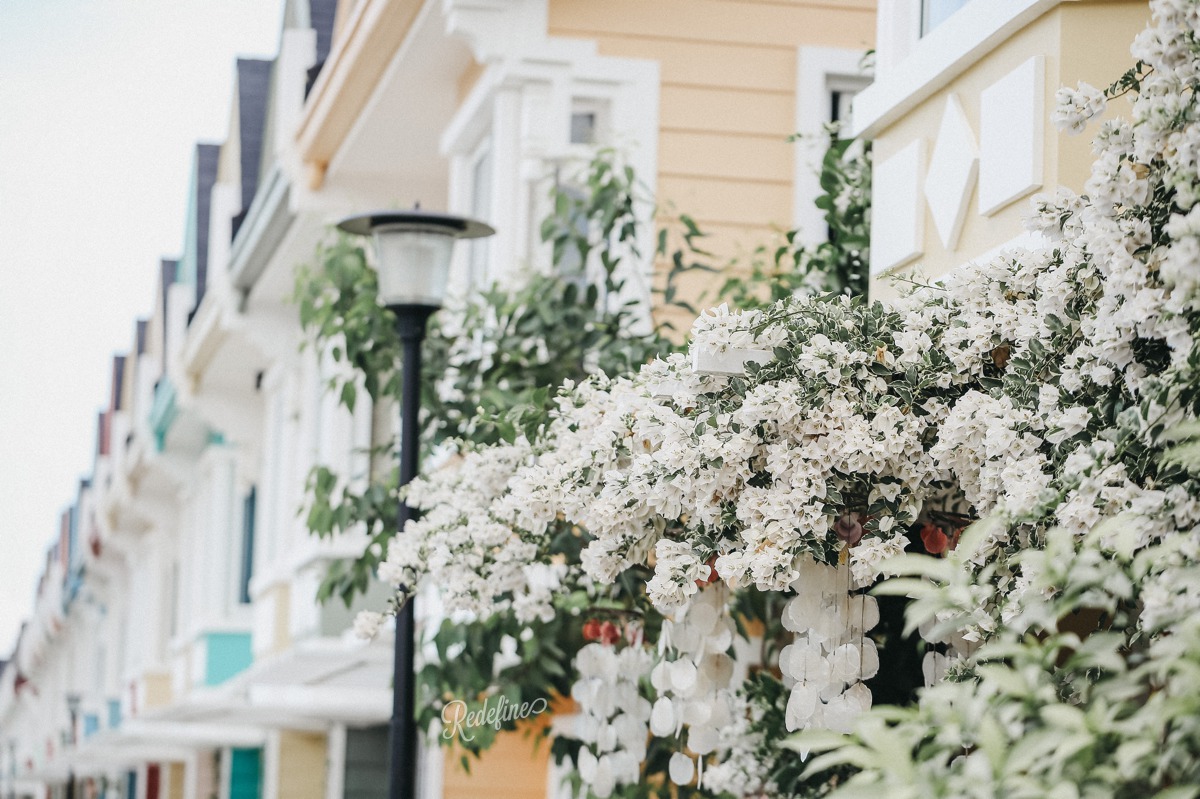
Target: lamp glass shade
point(413, 265)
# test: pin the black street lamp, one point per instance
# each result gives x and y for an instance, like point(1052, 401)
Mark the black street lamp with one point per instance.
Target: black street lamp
point(412, 257)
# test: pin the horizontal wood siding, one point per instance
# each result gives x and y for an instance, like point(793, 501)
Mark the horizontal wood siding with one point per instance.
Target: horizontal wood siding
point(727, 100)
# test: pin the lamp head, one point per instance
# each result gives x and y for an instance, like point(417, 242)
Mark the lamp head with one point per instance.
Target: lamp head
point(412, 252)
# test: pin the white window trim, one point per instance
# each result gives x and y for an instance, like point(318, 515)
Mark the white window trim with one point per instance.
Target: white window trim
point(484, 149)
point(524, 105)
point(819, 70)
point(912, 67)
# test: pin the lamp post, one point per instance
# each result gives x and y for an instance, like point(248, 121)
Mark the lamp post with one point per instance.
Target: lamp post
point(412, 257)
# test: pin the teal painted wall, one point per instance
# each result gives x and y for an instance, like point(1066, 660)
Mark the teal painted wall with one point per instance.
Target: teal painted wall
point(245, 774)
point(226, 655)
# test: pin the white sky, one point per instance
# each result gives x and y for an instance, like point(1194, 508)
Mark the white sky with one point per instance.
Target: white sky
point(101, 104)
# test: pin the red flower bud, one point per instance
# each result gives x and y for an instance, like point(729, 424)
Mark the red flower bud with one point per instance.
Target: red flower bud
point(934, 538)
point(609, 633)
point(591, 630)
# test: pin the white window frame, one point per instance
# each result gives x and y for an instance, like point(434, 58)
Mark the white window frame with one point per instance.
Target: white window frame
point(524, 105)
point(911, 67)
point(478, 259)
point(819, 72)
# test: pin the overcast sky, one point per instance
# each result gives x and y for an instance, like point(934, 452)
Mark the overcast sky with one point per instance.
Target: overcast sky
point(101, 104)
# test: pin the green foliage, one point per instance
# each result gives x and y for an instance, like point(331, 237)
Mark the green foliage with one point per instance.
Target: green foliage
point(838, 265)
point(467, 656)
point(1102, 713)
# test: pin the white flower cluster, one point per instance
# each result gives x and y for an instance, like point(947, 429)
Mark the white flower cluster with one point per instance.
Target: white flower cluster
point(825, 665)
point(467, 542)
point(1076, 107)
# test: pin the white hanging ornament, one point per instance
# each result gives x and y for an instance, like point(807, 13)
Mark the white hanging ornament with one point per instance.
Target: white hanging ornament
point(844, 663)
point(660, 677)
point(720, 638)
point(839, 715)
point(864, 614)
point(683, 674)
point(933, 666)
point(663, 719)
point(829, 690)
point(800, 707)
point(717, 669)
point(686, 638)
point(681, 768)
point(859, 696)
point(870, 659)
point(703, 739)
point(604, 780)
point(587, 765)
point(701, 617)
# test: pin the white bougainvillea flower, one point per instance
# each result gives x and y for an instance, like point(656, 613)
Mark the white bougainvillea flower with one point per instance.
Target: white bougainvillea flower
point(367, 623)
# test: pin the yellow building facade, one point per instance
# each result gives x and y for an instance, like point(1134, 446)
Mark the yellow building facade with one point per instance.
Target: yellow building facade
point(959, 117)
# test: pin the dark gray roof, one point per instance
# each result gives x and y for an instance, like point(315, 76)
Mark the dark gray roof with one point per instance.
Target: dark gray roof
point(207, 157)
point(322, 13)
point(254, 84)
point(167, 271)
point(140, 335)
point(118, 380)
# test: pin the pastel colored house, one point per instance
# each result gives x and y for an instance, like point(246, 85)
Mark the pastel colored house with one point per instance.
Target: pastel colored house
point(176, 649)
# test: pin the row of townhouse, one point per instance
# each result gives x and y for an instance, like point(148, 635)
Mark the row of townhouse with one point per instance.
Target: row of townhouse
point(175, 648)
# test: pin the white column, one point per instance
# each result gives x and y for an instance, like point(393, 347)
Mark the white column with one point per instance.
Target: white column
point(226, 775)
point(335, 761)
point(506, 153)
point(270, 771)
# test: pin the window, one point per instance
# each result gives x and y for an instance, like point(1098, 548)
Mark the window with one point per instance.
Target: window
point(935, 12)
point(583, 127)
point(570, 265)
point(841, 96)
point(588, 121)
point(247, 570)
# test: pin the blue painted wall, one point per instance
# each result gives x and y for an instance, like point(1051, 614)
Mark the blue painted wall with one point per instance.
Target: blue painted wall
point(226, 655)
